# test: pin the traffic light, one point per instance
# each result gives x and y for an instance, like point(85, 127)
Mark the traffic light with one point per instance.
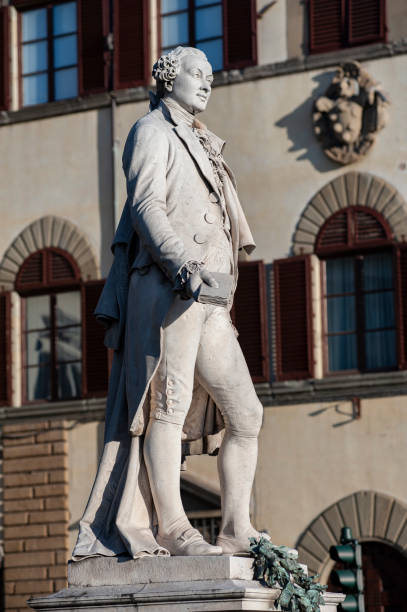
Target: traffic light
point(350, 578)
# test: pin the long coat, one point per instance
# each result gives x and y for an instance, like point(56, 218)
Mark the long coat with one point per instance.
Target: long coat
point(170, 185)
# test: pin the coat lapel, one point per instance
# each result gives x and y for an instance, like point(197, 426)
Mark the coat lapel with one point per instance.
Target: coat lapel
point(197, 152)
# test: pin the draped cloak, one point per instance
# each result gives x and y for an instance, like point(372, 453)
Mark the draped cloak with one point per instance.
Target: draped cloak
point(120, 517)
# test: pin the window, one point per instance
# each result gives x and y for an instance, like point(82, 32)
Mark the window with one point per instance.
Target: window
point(49, 53)
point(334, 24)
point(360, 312)
point(62, 344)
point(345, 306)
point(197, 24)
point(225, 31)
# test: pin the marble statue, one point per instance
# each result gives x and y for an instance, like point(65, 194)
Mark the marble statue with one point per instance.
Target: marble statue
point(178, 371)
point(349, 115)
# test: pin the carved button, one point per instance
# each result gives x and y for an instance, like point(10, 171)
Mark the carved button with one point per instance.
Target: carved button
point(170, 411)
point(209, 218)
point(213, 196)
point(200, 239)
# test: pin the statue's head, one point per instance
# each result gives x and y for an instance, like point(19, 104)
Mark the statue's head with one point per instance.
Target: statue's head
point(185, 75)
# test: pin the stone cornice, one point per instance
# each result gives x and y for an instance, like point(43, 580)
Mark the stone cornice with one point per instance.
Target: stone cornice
point(223, 78)
point(335, 388)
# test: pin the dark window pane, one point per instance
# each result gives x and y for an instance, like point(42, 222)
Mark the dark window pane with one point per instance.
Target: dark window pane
point(66, 83)
point(34, 24)
point(168, 6)
point(380, 350)
point(35, 89)
point(38, 383)
point(68, 308)
point(213, 50)
point(69, 377)
point(69, 344)
point(342, 352)
point(341, 314)
point(378, 271)
point(65, 51)
point(204, 2)
point(379, 310)
point(208, 22)
point(37, 312)
point(174, 30)
point(38, 347)
point(64, 18)
point(35, 57)
point(340, 275)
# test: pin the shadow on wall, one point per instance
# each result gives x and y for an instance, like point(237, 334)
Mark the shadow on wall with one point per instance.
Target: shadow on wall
point(298, 125)
point(105, 188)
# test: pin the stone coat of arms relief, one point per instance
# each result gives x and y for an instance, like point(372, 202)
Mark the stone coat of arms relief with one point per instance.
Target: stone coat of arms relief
point(347, 118)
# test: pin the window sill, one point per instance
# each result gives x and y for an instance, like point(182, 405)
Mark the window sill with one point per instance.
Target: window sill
point(83, 409)
point(222, 78)
point(383, 384)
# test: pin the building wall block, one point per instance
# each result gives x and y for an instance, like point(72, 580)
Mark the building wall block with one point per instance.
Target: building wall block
point(35, 468)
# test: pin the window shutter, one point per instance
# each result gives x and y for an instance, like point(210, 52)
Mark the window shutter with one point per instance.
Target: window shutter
point(4, 59)
point(293, 317)
point(131, 58)
point(5, 349)
point(326, 25)
point(250, 318)
point(93, 20)
point(366, 21)
point(402, 304)
point(95, 355)
point(240, 33)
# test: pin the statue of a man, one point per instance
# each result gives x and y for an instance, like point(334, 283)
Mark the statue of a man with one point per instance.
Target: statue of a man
point(178, 370)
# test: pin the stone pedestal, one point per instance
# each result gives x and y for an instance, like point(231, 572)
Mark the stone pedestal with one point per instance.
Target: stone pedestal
point(164, 584)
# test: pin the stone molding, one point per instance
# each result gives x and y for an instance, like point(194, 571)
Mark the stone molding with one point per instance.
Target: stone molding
point(371, 516)
point(350, 189)
point(225, 77)
point(49, 231)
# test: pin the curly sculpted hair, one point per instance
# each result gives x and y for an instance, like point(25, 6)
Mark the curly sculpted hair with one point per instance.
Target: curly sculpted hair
point(167, 67)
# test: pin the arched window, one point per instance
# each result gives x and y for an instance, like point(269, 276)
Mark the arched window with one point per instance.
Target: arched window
point(63, 356)
point(343, 308)
point(359, 291)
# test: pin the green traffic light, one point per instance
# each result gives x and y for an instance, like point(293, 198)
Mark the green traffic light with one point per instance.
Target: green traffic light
point(353, 603)
point(348, 579)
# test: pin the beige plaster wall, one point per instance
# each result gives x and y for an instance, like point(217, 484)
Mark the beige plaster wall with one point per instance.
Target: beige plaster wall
point(272, 32)
point(59, 166)
point(396, 17)
point(84, 447)
point(313, 455)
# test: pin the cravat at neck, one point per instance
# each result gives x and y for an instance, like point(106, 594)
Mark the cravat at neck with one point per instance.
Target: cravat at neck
point(178, 113)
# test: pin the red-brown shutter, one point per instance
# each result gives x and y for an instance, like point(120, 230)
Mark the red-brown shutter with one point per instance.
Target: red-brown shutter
point(93, 19)
point(293, 318)
point(250, 318)
point(326, 25)
point(95, 355)
point(402, 304)
point(5, 349)
point(366, 21)
point(4, 59)
point(131, 58)
point(240, 33)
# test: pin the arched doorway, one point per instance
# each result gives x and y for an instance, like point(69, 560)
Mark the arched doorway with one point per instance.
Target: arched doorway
point(384, 572)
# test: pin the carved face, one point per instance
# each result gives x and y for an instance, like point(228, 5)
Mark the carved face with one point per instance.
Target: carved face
point(192, 87)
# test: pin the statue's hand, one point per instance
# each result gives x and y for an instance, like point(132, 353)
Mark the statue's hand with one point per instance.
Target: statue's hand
point(195, 281)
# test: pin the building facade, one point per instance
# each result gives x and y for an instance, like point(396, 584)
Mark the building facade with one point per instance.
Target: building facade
point(322, 303)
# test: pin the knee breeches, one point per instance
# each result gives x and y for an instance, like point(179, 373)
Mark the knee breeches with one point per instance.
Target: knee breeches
point(199, 343)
